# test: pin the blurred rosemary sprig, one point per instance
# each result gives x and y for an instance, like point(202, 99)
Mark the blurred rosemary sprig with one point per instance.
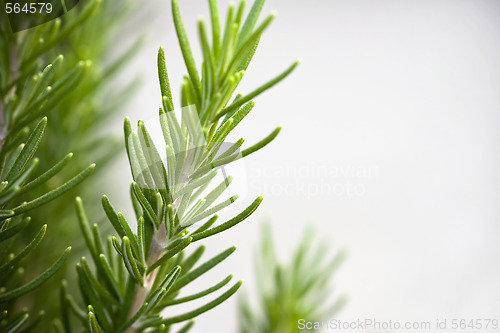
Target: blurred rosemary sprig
point(297, 290)
point(27, 93)
point(70, 92)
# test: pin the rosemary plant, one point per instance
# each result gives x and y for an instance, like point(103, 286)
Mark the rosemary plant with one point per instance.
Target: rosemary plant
point(137, 276)
point(93, 102)
point(291, 293)
point(16, 170)
point(28, 93)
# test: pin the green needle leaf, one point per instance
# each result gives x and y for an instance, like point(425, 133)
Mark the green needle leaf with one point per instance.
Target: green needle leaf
point(165, 128)
point(93, 325)
point(214, 15)
point(8, 233)
point(47, 175)
point(144, 203)
point(202, 269)
point(250, 22)
point(209, 64)
point(112, 216)
point(14, 324)
point(207, 225)
point(217, 191)
point(229, 34)
point(242, 58)
point(28, 151)
point(195, 184)
point(129, 234)
point(193, 259)
point(163, 75)
point(200, 294)
point(109, 277)
point(12, 294)
point(34, 243)
point(85, 229)
point(6, 213)
point(259, 90)
point(186, 49)
point(231, 223)
point(261, 144)
point(155, 297)
point(96, 285)
point(211, 211)
point(49, 196)
point(130, 262)
point(202, 309)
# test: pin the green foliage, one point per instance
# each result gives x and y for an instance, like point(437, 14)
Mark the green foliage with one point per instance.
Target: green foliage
point(69, 91)
point(293, 291)
point(134, 276)
point(81, 114)
point(16, 174)
point(137, 275)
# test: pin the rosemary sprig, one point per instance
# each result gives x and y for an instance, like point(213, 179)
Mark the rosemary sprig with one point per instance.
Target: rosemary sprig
point(145, 270)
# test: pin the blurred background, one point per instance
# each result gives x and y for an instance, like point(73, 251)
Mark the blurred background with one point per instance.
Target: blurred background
point(389, 148)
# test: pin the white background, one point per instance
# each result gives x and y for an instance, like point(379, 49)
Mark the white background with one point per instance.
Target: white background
point(399, 99)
